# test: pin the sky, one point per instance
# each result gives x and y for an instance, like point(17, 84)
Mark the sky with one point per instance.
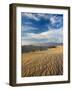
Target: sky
point(41, 28)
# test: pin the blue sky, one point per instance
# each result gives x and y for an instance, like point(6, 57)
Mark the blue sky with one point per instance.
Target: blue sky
point(41, 28)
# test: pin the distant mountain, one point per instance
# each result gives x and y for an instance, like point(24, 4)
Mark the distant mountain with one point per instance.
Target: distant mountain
point(47, 44)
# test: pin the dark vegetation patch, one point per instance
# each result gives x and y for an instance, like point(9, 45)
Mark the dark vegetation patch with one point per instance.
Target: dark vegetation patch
point(31, 48)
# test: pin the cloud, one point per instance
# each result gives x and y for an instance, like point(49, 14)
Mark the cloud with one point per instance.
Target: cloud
point(27, 28)
point(53, 20)
point(43, 15)
point(56, 21)
point(36, 16)
point(48, 36)
point(41, 28)
point(40, 22)
point(26, 31)
point(27, 42)
point(30, 15)
point(28, 23)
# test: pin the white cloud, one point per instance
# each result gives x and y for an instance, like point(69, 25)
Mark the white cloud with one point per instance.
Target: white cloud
point(49, 36)
point(45, 16)
point(27, 28)
point(30, 15)
point(37, 16)
point(53, 19)
point(27, 42)
point(28, 23)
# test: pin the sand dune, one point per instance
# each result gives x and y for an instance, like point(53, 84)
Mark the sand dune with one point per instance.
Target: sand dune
point(43, 63)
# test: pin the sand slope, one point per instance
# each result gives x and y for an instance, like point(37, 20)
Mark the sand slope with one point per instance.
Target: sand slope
point(43, 63)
